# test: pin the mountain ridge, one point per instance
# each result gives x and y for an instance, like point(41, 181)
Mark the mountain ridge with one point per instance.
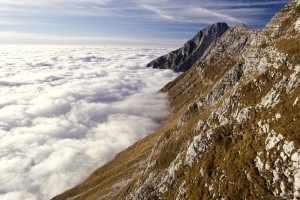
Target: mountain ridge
point(234, 128)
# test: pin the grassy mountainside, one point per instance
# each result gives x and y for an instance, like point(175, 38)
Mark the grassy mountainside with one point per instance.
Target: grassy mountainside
point(234, 131)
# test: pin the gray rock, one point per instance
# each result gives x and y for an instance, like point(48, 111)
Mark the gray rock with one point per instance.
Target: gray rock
point(182, 59)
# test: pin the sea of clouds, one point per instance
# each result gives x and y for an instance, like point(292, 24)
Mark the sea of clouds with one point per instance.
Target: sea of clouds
point(66, 111)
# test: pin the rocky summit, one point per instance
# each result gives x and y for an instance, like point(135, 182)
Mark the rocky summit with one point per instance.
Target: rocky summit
point(234, 129)
point(182, 59)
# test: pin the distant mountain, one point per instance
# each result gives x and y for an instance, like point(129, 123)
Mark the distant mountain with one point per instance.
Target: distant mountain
point(182, 59)
point(234, 131)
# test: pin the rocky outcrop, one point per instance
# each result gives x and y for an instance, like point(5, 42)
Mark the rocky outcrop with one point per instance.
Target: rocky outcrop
point(182, 59)
point(234, 129)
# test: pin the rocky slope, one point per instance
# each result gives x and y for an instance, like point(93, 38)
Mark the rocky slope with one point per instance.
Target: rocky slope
point(182, 59)
point(234, 131)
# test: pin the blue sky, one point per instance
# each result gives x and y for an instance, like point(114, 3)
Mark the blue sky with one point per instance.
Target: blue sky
point(137, 22)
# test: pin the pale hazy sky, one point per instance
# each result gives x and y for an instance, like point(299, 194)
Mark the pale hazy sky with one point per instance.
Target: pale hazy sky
point(143, 22)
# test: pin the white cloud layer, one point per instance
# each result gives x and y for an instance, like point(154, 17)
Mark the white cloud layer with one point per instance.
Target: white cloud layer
point(66, 111)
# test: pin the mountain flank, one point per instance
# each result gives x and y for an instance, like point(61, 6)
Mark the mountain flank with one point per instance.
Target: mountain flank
point(234, 129)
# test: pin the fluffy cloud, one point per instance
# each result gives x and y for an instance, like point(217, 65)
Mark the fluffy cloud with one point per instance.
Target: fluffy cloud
point(66, 111)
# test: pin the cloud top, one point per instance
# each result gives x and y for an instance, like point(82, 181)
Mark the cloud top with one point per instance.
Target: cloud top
point(67, 111)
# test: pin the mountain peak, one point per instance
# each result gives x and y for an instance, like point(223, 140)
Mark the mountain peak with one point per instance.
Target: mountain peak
point(219, 25)
point(182, 59)
point(213, 30)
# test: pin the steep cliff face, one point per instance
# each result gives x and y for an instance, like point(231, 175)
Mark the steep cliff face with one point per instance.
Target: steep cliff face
point(234, 130)
point(182, 59)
